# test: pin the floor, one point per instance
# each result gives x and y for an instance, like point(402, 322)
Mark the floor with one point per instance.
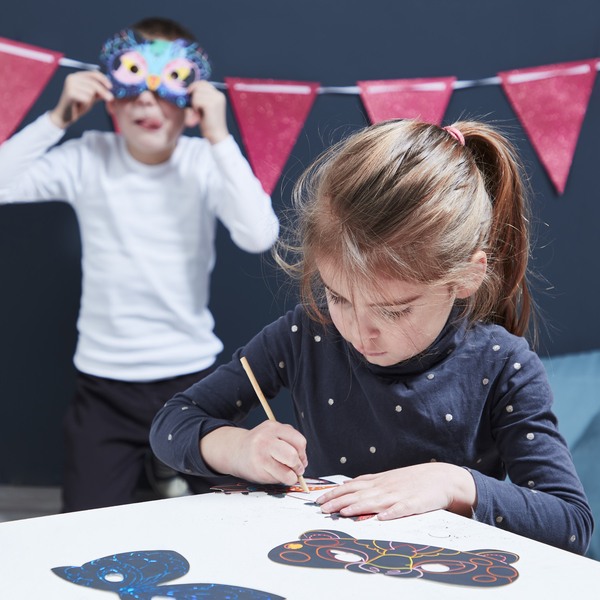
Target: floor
point(25, 502)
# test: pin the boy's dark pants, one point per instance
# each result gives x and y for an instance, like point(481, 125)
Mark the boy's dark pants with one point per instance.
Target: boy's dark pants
point(106, 438)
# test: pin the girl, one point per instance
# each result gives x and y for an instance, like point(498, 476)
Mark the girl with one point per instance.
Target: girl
point(405, 360)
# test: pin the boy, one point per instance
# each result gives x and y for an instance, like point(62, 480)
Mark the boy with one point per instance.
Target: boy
point(147, 201)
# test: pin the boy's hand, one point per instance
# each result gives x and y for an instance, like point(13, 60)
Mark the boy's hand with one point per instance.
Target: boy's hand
point(404, 492)
point(210, 106)
point(80, 92)
point(270, 453)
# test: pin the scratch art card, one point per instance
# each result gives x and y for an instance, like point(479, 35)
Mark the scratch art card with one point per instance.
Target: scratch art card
point(139, 575)
point(330, 549)
point(315, 486)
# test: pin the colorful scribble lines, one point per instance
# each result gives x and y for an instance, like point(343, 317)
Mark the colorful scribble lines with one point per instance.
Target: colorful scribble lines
point(139, 575)
point(273, 489)
point(330, 549)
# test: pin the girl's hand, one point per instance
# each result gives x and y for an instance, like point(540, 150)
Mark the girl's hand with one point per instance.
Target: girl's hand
point(209, 104)
point(80, 92)
point(270, 453)
point(403, 492)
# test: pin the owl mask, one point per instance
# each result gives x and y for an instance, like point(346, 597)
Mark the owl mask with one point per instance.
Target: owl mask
point(167, 68)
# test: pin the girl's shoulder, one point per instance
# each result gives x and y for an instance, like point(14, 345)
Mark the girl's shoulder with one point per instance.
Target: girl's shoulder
point(488, 341)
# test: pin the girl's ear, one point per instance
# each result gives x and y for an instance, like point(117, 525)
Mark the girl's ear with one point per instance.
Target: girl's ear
point(475, 272)
point(191, 117)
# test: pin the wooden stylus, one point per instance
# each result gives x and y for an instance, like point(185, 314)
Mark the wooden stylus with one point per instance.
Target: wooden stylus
point(267, 408)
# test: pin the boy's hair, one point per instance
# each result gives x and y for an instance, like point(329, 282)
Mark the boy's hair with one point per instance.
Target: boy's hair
point(162, 28)
point(406, 200)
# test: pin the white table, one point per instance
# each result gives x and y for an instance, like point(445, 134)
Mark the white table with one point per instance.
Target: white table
point(226, 540)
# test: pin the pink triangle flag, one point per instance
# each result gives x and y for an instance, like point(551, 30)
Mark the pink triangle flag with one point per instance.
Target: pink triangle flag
point(270, 114)
point(424, 99)
point(24, 71)
point(551, 102)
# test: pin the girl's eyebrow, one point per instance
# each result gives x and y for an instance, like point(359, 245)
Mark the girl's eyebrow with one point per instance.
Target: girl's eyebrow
point(397, 302)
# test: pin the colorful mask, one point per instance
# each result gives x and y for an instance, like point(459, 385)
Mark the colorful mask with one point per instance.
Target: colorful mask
point(167, 68)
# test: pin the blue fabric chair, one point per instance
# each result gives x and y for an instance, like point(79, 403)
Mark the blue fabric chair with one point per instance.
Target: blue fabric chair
point(575, 382)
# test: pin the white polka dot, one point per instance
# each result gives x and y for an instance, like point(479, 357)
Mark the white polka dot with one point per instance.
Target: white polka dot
point(302, 414)
point(294, 328)
point(330, 401)
point(448, 417)
point(433, 460)
point(572, 538)
point(169, 437)
point(517, 366)
point(479, 460)
point(398, 408)
point(485, 381)
point(317, 338)
point(530, 483)
point(509, 408)
point(238, 403)
point(495, 348)
point(530, 436)
point(372, 449)
point(343, 460)
point(184, 407)
point(430, 375)
point(281, 364)
point(188, 470)
point(499, 519)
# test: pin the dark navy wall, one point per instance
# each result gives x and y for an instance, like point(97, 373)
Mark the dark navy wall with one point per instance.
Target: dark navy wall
point(335, 43)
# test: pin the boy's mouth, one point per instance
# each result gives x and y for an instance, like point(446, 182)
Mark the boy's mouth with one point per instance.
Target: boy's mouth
point(149, 123)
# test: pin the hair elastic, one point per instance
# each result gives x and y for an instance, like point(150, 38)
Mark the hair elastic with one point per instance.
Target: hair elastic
point(456, 134)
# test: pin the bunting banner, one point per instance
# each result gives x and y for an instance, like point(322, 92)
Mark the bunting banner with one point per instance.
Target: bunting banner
point(424, 99)
point(551, 102)
point(270, 115)
point(24, 71)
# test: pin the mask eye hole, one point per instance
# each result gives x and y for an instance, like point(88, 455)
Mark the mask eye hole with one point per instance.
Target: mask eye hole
point(179, 74)
point(345, 556)
point(130, 68)
point(114, 577)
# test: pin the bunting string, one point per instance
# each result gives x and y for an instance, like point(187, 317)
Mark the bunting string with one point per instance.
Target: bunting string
point(341, 89)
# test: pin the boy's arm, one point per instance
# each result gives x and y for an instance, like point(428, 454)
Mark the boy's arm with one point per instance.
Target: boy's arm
point(18, 180)
point(241, 203)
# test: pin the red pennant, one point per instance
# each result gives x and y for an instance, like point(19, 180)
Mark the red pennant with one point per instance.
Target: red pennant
point(24, 71)
point(551, 102)
point(270, 115)
point(424, 99)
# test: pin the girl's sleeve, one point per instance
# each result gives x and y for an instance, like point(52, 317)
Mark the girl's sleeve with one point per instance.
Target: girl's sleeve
point(543, 498)
point(239, 200)
point(224, 398)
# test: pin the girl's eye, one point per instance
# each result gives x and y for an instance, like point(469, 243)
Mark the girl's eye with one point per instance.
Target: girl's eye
point(334, 298)
point(396, 314)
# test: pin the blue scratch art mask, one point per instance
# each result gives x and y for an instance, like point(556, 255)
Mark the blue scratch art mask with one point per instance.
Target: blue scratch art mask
point(167, 68)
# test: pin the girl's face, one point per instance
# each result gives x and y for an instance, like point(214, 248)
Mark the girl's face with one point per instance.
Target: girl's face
point(389, 324)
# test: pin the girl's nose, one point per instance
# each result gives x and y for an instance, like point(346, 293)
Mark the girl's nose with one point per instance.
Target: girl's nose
point(366, 328)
